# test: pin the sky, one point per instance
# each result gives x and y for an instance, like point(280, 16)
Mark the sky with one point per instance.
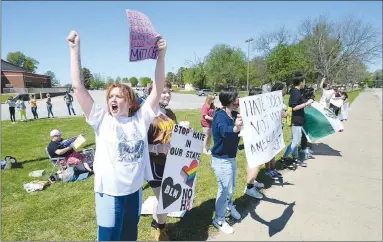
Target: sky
point(39, 29)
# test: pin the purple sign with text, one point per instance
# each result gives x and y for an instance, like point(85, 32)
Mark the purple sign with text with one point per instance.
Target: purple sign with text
point(143, 41)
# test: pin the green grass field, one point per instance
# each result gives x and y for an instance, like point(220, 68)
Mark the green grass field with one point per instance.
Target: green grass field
point(66, 211)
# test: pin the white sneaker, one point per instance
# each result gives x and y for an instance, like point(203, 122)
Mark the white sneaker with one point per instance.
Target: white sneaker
point(252, 192)
point(223, 226)
point(234, 213)
point(259, 185)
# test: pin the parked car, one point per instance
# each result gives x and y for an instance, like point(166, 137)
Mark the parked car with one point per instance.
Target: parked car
point(205, 92)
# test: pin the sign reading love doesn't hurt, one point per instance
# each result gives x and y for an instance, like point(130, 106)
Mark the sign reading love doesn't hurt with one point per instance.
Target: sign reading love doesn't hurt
point(143, 41)
point(180, 174)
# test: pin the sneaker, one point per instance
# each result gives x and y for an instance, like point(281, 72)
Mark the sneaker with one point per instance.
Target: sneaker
point(223, 226)
point(160, 235)
point(234, 213)
point(259, 185)
point(286, 163)
point(277, 174)
point(300, 163)
point(252, 192)
point(271, 175)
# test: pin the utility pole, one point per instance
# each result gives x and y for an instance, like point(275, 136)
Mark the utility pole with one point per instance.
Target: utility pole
point(248, 62)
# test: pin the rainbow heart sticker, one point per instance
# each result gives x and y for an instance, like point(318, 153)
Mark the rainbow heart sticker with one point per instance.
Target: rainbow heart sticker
point(189, 173)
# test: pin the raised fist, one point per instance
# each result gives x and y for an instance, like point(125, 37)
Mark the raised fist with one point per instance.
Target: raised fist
point(73, 40)
point(161, 44)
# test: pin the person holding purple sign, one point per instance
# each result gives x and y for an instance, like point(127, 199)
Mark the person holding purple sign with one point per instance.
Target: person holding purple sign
point(121, 160)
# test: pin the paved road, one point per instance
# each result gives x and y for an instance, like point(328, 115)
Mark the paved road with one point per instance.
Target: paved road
point(337, 197)
point(179, 101)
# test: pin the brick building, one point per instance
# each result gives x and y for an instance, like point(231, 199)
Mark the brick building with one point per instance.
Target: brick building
point(17, 77)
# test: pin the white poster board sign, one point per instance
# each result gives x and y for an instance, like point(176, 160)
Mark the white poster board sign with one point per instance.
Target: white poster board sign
point(180, 174)
point(262, 127)
point(151, 202)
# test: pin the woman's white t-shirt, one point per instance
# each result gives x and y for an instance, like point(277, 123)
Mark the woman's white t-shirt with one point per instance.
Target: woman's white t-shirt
point(326, 97)
point(121, 160)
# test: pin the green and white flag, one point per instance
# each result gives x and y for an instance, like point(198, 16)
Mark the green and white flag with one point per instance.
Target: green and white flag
point(320, 122)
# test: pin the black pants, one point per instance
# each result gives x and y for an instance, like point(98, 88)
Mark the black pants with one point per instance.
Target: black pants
point(335, 109)
point(12, 112)
point(304, 142)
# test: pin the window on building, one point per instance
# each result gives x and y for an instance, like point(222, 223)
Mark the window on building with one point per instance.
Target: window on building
point(28, 84)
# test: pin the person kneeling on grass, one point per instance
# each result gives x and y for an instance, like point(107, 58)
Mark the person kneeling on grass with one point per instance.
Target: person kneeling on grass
point(56, 149)
point(225, 128)
point(159, 136)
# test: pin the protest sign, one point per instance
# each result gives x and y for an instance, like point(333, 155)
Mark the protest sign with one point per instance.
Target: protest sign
point(344, 112)
point(143, 41)
point(180, 174)
point(262, 127)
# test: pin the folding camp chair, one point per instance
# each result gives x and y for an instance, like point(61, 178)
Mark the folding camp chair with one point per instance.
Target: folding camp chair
point(55, 162)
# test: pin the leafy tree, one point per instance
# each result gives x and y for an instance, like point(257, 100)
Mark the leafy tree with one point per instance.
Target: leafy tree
point(125, 80)
point(145, 81)
point(180, 75)
point(196, 73)
point(118, 80)
point(87, 75)
point(171, 77)
point(19, 59)
point(225, 66)
point(98, 81)
point(110, 81)
point(134, 81)
point(54, 80)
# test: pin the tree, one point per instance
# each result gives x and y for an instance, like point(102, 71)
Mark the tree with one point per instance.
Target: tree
point(180, 75)
point(87, 75)
point(268, 40)
point(225, 66)
point(110, 81)
point(69, 86)
point(19, 59)
point(125, 80)
point(171, 77)
point(134, 81)
point(118, 80)
point(55, 82)
point(97, 82)
point(334, 46)
point(196, 73)
point(145, 81)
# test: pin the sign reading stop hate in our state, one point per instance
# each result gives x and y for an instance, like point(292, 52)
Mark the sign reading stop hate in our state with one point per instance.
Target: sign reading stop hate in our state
point(143, 40)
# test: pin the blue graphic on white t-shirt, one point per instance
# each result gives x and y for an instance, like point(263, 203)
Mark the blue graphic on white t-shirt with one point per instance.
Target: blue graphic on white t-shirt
point(129, 151)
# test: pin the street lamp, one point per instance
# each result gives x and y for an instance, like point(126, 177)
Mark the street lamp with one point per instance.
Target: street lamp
point(248, 61)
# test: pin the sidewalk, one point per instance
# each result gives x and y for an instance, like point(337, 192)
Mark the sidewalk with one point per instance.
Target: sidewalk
point(337, 197)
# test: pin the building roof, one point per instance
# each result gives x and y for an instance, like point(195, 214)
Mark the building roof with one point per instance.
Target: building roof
point(7, 66)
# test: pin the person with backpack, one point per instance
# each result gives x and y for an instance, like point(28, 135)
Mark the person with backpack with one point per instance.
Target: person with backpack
point(69, 102)
point(296, 119)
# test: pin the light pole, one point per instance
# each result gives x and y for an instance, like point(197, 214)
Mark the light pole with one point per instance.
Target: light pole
point(248, 62)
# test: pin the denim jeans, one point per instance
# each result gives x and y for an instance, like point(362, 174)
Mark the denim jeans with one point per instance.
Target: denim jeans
point(225, 171)
point(118, 217)
point(295, 141)
point(49, 108)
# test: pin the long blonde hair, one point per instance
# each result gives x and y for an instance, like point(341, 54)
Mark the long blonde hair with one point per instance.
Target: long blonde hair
point(209, 100)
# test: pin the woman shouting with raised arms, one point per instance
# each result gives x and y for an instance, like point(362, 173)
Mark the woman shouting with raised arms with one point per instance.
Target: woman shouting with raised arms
point(122, 157)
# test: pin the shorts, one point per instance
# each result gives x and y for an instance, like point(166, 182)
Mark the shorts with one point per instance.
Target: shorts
point(158, 173)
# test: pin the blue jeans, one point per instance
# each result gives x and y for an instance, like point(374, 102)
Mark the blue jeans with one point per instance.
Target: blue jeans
point(225, 171)
point(295, 141)
point(49, 108)
point(118, 217)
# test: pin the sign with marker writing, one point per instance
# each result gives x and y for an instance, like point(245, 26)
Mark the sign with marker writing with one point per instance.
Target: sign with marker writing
point(143, 41)
point(180, 174)
point(262, 127)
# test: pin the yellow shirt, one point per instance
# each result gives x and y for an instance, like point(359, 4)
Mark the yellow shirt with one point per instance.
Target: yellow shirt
point(33, 103)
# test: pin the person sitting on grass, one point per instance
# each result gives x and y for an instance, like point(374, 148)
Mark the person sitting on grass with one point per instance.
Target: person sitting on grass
point(56, 149)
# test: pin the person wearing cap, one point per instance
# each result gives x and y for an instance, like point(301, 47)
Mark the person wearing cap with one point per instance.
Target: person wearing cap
point(57, 149)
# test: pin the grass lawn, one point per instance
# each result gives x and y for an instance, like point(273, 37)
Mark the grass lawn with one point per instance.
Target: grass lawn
point(66, 211)
point(4, 97)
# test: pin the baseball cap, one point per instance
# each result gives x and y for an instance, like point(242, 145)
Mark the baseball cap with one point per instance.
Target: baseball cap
point(55, 132)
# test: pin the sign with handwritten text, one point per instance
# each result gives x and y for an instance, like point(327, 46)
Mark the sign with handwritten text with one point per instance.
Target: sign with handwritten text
point(180, 174)
point(262, 127)
point(143, 41)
